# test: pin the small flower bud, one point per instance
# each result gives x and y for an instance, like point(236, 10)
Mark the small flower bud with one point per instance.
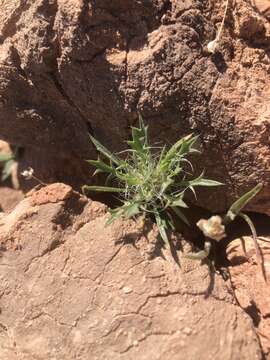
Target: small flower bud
point(212, 228)
point(28, 174)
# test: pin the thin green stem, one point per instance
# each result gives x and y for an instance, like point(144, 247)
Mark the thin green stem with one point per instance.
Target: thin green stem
point(256, 244)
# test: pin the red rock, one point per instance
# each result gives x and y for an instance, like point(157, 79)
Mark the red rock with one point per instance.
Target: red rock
point(73, 67)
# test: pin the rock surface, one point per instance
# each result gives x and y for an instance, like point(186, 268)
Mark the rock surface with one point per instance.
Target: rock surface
point(263, 6)
point(9, 198)
point(72, 67)
point(72, 288)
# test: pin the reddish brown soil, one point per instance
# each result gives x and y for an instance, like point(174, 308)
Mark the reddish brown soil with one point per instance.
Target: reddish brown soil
point(72, 288)
point(250, 288)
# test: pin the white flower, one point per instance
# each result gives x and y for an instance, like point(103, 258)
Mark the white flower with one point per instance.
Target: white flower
point(28, 174)
point(212, 228)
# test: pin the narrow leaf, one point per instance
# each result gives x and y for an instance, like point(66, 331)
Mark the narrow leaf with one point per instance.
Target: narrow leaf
point(162, 229)
point(108, 179)
point(238, 205)
point(166, 184)
point(179, 202)
point(207, 182)
point(7, 169)
point(103, 150)
point(5, 157)
point(200, 255)
point(201, 181)
point(102, 189)
point(144, 128)
point(180, 215)
point(102, 166)
point(193, 191)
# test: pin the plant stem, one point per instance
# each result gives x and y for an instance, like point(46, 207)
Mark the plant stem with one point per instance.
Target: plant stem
point(255, 240)
point(38, 180)
point(223, 21)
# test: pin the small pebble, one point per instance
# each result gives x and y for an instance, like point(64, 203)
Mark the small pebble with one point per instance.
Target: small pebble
point(127, 290)
point(187, 331)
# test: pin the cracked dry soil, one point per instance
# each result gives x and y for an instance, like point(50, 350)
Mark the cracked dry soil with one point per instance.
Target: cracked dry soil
point(72, 288)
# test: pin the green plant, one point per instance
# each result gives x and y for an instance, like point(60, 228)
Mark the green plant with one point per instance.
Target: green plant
point(236, 210)
point(8, 161)
point(214, 228)
point(150, 181)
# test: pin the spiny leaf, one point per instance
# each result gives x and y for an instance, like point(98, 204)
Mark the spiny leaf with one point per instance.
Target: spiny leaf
point(176, 171)
point(128, 178)
point(130, 209)
point(101, 166)
point(174, 151)
point(187, 146)
point(182, 144)
point(103, 150)
point(138, 142)
point(139, 138)
point(115, 214)
point(127, 210)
